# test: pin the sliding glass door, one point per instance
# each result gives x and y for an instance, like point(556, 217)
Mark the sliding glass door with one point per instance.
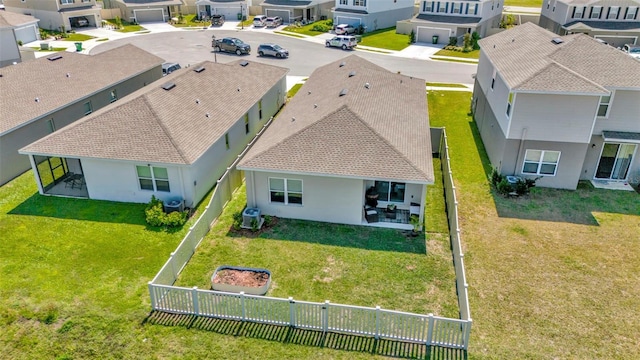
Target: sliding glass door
point(615, 161)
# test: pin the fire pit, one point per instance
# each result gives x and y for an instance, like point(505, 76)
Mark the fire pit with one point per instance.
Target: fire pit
point(252, 281)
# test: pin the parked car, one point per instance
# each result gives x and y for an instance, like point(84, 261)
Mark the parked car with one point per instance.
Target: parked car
point(230, 44)
point(632, 50)
point(342, 41)
point(79, 21)
point(272, 50)
point(345, 29)
point(273, 22)
point(259, 20)
point(217, 20)
point(169, 67)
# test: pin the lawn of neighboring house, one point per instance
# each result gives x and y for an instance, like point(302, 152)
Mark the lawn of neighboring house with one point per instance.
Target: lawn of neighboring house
point(190, 20)
point(474, 54)
point(126, 26)
point(551, 275)
point(386, 39)
point(321, 27)
point(526, 3)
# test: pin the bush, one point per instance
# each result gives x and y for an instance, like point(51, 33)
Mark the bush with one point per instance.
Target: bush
point(237, 220)
point(474, 40)
point(329, 23)
point(496, 177)
point(412, 37)
point(268, 220)
point(320, 28)
point(504, 187)
point(155, 215)
point(453, 41)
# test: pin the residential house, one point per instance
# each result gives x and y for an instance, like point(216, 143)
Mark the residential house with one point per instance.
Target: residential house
point(172, 139)
point(616, 21)
point(57, 14)
point(561, 109)
point(354, 131)
point(145, 11)
point(51, 92)
point(372, 15)
point(298, 10)
point(15, 30)
point(229, 8)
point(437, 21)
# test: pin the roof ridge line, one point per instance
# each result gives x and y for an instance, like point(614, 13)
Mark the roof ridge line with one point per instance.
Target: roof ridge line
point(164, 128)
point(579, 75)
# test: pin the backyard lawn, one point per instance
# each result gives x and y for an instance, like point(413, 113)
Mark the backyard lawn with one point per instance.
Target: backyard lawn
point(386, 39)
point(552, 275)
point(525, 3)
point(320, 27)
point(474, 54)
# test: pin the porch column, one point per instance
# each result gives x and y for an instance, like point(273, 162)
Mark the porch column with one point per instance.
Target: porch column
point(422, 204)
point(35, 174)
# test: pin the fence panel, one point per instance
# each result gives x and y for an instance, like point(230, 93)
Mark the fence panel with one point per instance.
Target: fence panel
point(351, 319)
point(403, 326)
point(172, 299)
point(450, 333)
point(267, 310)
point(307, 315)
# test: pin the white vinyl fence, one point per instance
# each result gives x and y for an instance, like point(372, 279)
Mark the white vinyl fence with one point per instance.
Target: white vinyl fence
point(326, 317)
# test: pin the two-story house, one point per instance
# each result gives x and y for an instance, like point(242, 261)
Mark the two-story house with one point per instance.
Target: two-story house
point(145, 11)
point(371, 14)
point(614, 21)
point(562, 109)
point(57, 14)
point(437, 21)
point(297, 10)
point(229, 8)
point(15, 30)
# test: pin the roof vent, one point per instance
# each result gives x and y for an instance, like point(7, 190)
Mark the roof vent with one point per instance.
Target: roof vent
point(207, 114)
point(197, 101)
point(37, 99)
point(309, 92)
point(54, 58)
point(68, 75)
point(367, 85)
point(352, 74)
point(315, 106)
point(238, 89)
point(169, 86)
point(343, 64)
point(199, 69)
point(244, 63)
point(343, 92)
point(557, 40)
point(293, 119)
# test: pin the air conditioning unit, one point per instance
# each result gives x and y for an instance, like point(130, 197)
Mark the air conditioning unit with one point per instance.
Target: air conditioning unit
point(248, 215)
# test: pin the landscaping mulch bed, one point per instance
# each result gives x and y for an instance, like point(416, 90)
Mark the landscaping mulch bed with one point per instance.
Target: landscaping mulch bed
point(247, 278)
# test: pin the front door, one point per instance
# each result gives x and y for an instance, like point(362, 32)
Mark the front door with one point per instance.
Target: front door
point(615, 161)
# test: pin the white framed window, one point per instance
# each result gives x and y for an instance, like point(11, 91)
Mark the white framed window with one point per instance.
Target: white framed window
point(427, 6)
point(226, 141)
point(472, 9)
point(541, 162)
point(344, 2)
point(578, 12)
point(51, 125)
point(595, 12)
point(359, 2)
point(442, 7)
point(88, 109)
point(246, 123)
point(64, 2)
point(603, 108)
point(457, 8)
point(153, 178)
point(493, 79)
point(632, 11)
point(613, 12)
point(390, 191)
point(285, 191)
point(509, 105)
point(260, 109)
point(113, 95)
point(548, 4)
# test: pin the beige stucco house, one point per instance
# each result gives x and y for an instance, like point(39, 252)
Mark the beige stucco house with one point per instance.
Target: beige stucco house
point(616, 22)
point(353, 130)
point(15, 29)
point(57, 14)
point(146, 11)
point(560, 108)
point(372, 15)
point(51, 92)
point(172, 139)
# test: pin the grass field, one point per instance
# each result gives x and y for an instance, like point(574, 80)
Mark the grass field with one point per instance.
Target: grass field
point(451, 85)
point(553, 275)
point(308, 29)
point(525, 3)
point(475, 54)
point(385, 39)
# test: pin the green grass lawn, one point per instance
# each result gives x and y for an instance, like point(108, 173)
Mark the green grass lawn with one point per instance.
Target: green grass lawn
point(126, 26)
point(191, 20)
point(551, 275)
point(525, 3)
point(77, 37)
point(386, 39)
point(474, 54)
point(445, 85)
point(308, 29)
point(246, 23)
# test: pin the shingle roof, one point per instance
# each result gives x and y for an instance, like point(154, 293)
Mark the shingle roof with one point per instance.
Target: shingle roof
point(286, 2)
point(604, 25)
point(527, 59)
point(48, 81)
point(380, 130)
point(167, 126)
point(449, 19)
point(600, 2)
point(10, 19)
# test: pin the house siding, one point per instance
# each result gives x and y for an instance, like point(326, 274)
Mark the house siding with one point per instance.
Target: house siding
point(492, 135)
point(10, 52)
point(624, 114)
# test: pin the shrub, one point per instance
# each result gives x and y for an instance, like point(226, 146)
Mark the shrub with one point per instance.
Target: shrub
point(237, 220)
point(453, 41)
point(504, 187)
point(329, 23)
point(118, 22)
point(496, 177)
point(268, 220)
point(412, 37)
point(508, 21)
point(320, 28)
point(466, 42)
point(474, 40)
point(155, 215)
point(254, 224)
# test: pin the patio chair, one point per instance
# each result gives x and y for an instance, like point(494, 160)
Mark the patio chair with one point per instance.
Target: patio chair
point(370, 214)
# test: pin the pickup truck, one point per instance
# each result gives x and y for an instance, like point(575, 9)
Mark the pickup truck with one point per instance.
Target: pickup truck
point(230, 44)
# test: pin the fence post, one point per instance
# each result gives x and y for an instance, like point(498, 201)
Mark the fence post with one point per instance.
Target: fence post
point(242, 302)
point(292, 312)
point(194, 298)
point(430, 330)
point(377, 336)
point(325, 316)
point(152, 295)
point(467, 333)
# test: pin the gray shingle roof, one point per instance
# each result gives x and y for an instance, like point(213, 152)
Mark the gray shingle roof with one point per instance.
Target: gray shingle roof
point(449, 19)
point(10, 19)
point(606, 25)
point(380, 130)
point(47, 80)
point(527, 59)
point(167, 126)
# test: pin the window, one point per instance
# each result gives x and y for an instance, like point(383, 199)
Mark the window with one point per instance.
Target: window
point(390, 191)
point(457, 8)
point(595, 12)
point(442, 7)
point(153, 178)
point(472, 9)
point(113, 96)
point(359, 2)
point(246, 123)
point(344, 2)
point(541, 162)
point(260, 109)
point(577, 12)
point(285, 191)
point(509, 105)
point(51, 125)
point(64, 2)
point(632, 11)
point(427, 6)
point(226, 140)
point(493, 79)
point(87, 108)
point(613, 12)
point(603, 109)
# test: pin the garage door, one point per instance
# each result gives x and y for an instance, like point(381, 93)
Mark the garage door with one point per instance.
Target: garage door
point(152, 15)
point(230, 13)
point(284, 14)
point(425, 35)
point(347, 20)
point(26, 34)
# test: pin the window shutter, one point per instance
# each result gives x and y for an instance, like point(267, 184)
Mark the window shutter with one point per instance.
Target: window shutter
point(608, 12)
point(446, 8)
point(438, 10)
point(466, 10)
point(584, 12)
point(590, 13)
point(626, 11)
point(475, 12)
point(573, 14)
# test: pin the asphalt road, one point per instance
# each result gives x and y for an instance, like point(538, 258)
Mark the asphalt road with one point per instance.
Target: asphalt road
point(191, 47)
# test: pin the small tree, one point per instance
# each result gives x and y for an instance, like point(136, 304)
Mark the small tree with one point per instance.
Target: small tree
point(412, 37)
point(453, 41)
point(508, 21)
point(474, 40)
point(466, 41)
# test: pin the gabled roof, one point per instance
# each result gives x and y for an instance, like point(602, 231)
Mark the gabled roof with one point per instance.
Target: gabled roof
point(458, 20)
point(377, 129)
point(174, 126)
point(48, 82)
point(527, 59)
point(602, 25)
point(621, 3)
point(10, 19)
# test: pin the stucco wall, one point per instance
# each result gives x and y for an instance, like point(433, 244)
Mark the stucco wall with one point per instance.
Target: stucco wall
point(492, 135)
point(624, 114)
point(9, 46)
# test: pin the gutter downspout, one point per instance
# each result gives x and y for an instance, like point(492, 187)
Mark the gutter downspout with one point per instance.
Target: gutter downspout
point(522, 139)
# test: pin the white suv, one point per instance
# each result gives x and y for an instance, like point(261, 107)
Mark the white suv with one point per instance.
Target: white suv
point(632, 50)
point(345, 29)
point(342, 41)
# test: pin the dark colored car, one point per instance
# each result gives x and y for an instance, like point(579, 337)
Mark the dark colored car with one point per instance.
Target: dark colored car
point(230, 44)
point(272, 50)
point(217, 20)
point(79, 21)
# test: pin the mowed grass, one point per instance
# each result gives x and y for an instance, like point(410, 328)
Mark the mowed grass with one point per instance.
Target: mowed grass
point(386, 39)
point(308, 29)
point(526, 3)
point(356, 265)
point(552, 275)
point(474, 54)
